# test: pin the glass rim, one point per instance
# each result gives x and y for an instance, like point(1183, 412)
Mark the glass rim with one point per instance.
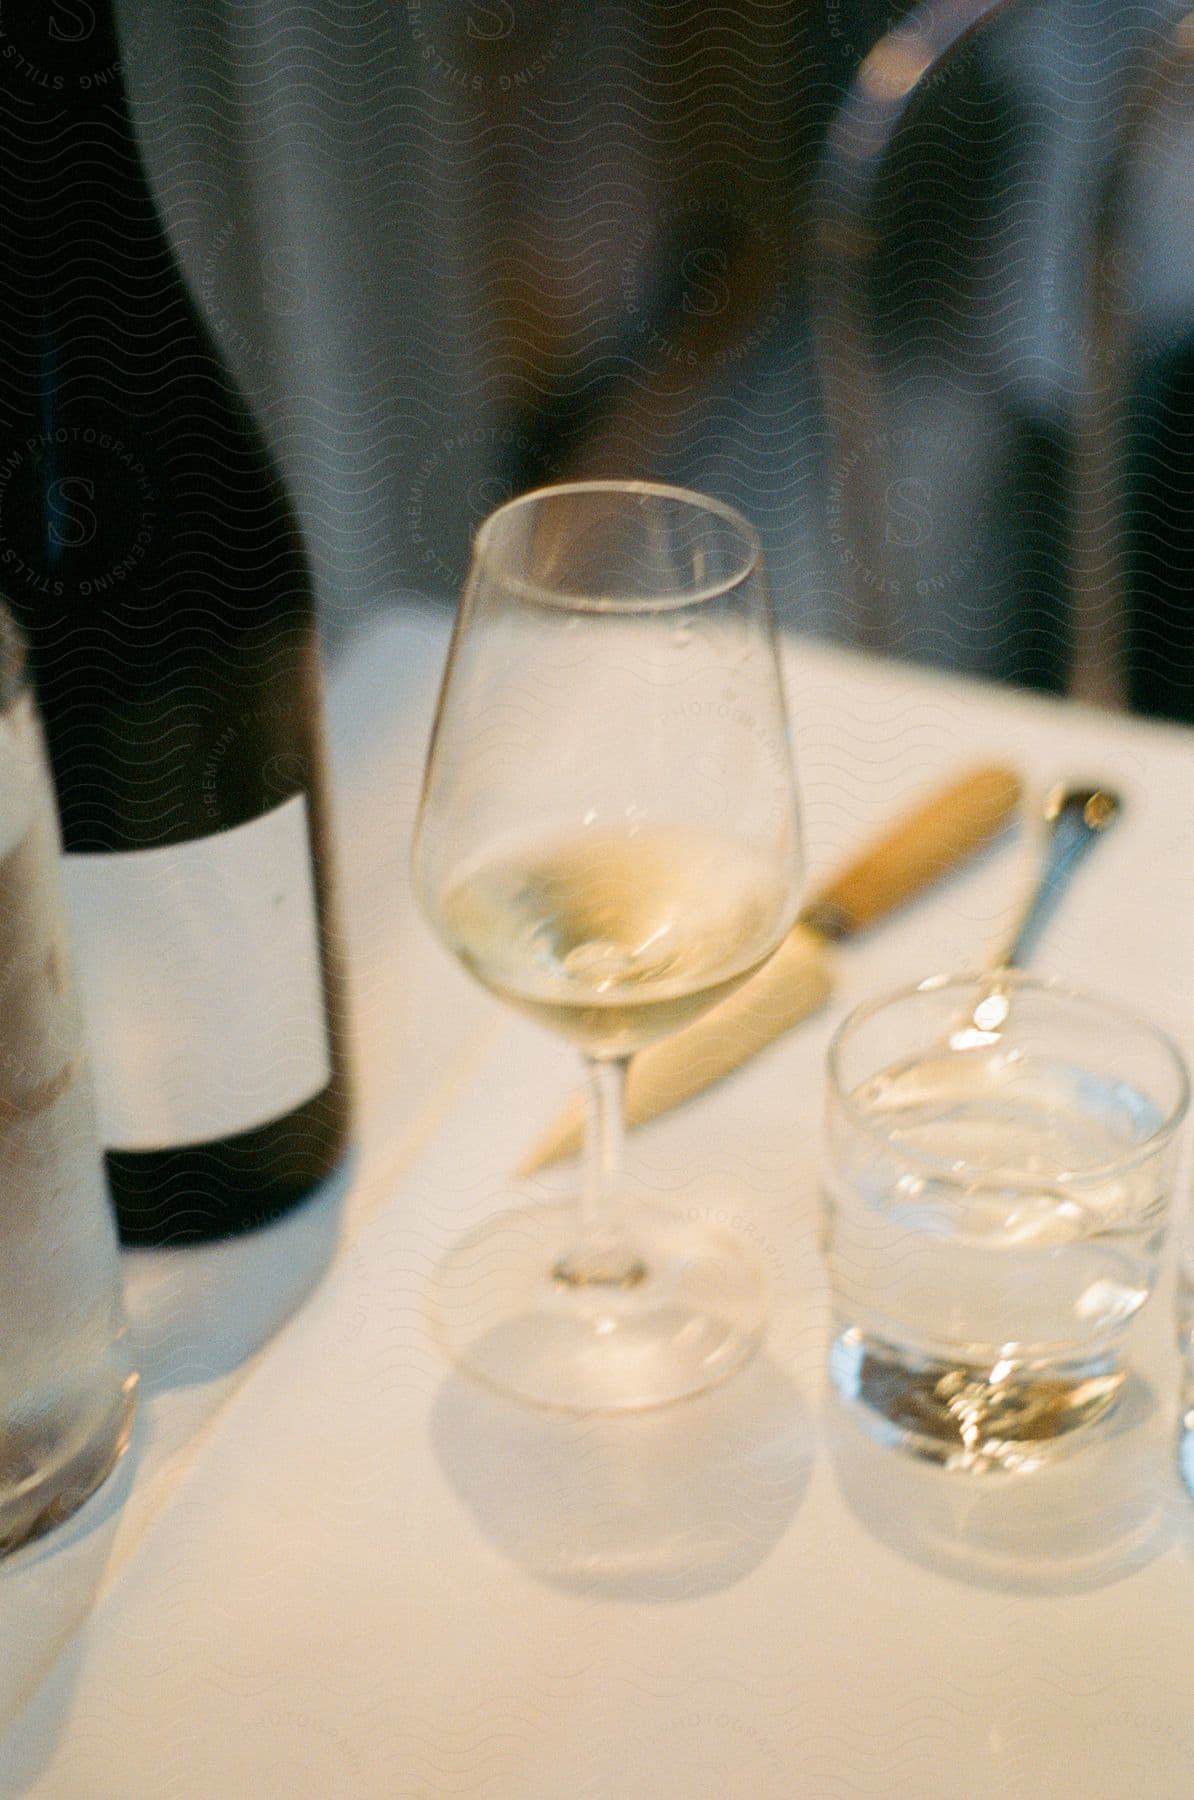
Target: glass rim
point(534, 593)
point(948, 1169)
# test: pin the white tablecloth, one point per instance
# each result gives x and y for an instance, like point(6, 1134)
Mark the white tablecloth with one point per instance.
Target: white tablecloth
point(329, 1567)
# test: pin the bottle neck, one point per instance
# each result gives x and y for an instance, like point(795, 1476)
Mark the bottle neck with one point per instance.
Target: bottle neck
point(77, 196)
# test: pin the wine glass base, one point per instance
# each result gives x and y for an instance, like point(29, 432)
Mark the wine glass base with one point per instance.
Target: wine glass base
point(692, 1317)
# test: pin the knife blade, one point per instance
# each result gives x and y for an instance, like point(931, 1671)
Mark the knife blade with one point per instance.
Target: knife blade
point(934, 836)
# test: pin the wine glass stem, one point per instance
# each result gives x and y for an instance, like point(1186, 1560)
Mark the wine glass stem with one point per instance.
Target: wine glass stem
point(603, 1257)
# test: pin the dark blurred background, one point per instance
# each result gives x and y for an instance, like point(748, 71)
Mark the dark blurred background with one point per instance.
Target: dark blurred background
point(456, 248)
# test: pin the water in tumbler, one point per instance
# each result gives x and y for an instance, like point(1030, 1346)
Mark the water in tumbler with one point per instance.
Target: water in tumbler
point(65, 1384)
point(1018, 1263)
point(979, 1259)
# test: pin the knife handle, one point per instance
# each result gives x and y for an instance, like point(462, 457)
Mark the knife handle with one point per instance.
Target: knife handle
point(950, 826)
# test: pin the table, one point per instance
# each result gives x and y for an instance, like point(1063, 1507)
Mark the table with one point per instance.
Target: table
point(330, 1567)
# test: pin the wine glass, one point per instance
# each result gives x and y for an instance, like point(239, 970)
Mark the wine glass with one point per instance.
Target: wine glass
point(608, 840)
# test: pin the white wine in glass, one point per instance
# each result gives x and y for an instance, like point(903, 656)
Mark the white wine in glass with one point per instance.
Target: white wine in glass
point(615, 939)
point(608, 841)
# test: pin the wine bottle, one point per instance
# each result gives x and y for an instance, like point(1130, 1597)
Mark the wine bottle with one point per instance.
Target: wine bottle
point(149, 551)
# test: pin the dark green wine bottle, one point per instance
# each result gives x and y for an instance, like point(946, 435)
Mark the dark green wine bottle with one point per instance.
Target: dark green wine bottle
point(153, 559)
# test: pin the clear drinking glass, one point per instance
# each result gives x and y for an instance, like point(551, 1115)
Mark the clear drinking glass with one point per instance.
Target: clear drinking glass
point(608, 840)
point(66, 1385)
point(997, 1179)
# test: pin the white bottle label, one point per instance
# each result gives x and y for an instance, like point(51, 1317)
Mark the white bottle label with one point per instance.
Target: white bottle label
point(199, 966)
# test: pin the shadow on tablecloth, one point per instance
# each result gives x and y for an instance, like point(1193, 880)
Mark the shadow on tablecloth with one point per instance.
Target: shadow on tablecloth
point(663, 1505)
point(1098, 1515)
point(199, 1311)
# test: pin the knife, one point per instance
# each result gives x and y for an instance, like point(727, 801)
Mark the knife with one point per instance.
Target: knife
point(934, 837)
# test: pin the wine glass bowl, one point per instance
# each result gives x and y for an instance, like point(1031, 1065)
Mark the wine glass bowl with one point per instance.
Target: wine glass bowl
point(608, 841)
